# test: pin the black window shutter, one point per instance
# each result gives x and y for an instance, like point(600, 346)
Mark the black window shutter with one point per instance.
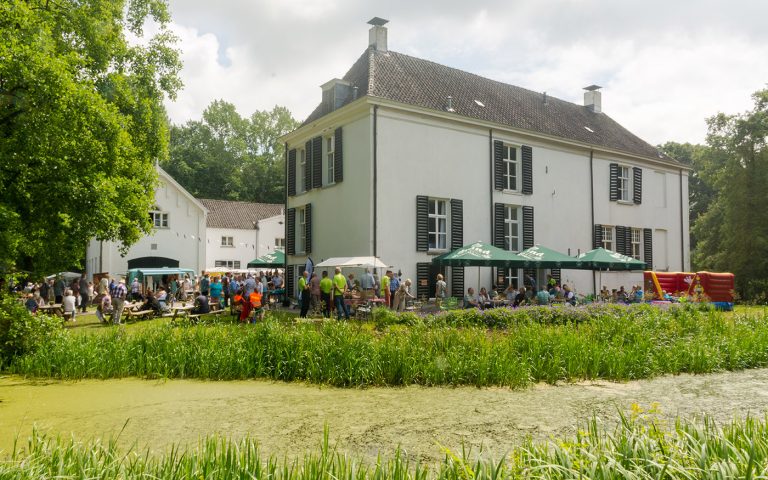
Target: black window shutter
point(621, 240)
point(648, 248)
point(317, 162)
point(290, 271)
point(457, 224)
point(292, 172)
point(290, 240)
point(422, 279)
point(498, 165)
point(614, 182)
point(527, 170)
point(308, 228)
point(338, 157)
point(597, 236)
point(498, 225)
point(527, 227)
point(627, 241)
point(555, 272)
point(457, 281)
point(422, 227)
point(308, 166)
point(637, 185)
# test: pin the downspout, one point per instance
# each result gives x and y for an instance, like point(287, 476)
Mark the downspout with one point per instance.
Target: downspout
point(682, 232)
point(491, 188)
point(285, 212)
point(375, 181)
point(592, 204)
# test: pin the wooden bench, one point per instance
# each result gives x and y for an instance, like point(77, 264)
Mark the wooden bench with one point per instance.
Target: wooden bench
point(128, 313)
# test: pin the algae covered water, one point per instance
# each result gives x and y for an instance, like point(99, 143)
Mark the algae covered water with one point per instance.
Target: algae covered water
point(289, 418)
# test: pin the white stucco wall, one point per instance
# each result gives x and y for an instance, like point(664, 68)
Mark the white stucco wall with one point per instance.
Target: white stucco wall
point(341, 213)
point(243, 247)
point(183, 240)
point(270, 230)
point(422, 155)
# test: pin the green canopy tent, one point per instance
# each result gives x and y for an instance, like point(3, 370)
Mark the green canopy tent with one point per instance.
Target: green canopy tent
point(274, 259)
point(543, 257)
point(478, 255)
point(602, 259)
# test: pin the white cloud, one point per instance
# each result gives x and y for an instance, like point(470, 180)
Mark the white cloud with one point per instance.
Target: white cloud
point(665, 66)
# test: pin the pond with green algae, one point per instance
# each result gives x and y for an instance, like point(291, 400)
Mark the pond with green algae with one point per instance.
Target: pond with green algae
point(289, 418)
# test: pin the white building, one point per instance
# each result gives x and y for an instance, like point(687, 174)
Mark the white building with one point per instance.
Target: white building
point(238, 232)
point(192, 233)
point(406, 159)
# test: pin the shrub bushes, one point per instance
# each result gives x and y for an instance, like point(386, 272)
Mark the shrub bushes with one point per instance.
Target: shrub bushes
point(21, 332)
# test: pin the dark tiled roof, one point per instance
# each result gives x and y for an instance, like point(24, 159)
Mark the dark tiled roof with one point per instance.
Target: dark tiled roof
point(405, 79)
point(229, 214)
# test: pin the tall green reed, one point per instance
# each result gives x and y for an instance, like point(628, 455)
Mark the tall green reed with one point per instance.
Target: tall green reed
point(640, 447)
point(621, 345)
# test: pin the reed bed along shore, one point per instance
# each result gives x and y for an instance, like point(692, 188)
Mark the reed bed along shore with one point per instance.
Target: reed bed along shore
point(608, 343)
point(638, 448)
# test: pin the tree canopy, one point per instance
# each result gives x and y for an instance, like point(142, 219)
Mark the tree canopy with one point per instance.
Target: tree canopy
point(728, 189)
point(230, 157)
point(81, 125)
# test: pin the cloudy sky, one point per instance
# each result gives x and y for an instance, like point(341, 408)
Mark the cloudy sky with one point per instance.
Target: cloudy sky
point(665, 65)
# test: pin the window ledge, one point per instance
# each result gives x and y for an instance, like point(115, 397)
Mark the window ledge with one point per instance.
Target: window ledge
point(625, 202)
point(437, 252)
point(512, 192)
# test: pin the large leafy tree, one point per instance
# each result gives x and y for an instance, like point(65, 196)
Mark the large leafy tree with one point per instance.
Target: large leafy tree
point(81, 124)
point(733, 231)
point(706, 164)
point(227, 156)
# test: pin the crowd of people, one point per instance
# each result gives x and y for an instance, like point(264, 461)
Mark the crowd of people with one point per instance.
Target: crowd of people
point(325, 293)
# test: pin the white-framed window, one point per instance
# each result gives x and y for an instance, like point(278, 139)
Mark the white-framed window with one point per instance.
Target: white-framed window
point(227, 242)
point(159, 219)
point(438, 224)
point(280, 243)
point(228, 264)
point(509, 276)
point(607, 238)
point(330, 161)
point(625, 184)
point(301, 223)
point(637, 236)
point(509, 158)
point(512, 228)
point(300, 171)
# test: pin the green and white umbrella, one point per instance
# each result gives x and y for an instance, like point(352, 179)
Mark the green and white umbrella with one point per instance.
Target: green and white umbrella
point(543, 257)
point(480, 254)
point(602, 259)
point(272, 259)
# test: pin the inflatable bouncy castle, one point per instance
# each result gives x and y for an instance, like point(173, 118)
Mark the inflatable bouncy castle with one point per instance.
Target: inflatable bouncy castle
point(701, 286)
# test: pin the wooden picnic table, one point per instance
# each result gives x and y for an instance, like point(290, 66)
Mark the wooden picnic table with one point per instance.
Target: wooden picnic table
point(52, 309)
point(181, 311)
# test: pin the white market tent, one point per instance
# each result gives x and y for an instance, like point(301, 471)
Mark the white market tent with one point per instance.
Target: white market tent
point(67, 276)
point(373, 262)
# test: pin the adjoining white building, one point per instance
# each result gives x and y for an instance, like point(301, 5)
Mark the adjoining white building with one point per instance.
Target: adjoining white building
point(238, 232)
point(406, 159)
point(193, 233)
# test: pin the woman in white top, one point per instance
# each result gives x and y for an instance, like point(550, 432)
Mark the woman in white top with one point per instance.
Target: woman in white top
point(69, 303)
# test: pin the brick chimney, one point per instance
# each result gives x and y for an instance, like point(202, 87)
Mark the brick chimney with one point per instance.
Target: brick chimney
point(377, 35)
point(593, 99)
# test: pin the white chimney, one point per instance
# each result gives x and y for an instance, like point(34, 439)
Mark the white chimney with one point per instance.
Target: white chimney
point(377, 35)
point(592, 98)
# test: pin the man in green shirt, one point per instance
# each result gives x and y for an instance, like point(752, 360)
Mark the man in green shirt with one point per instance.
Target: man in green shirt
point(326, 285)
point(304, 292)
point(385, 294)
point(339, 287)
